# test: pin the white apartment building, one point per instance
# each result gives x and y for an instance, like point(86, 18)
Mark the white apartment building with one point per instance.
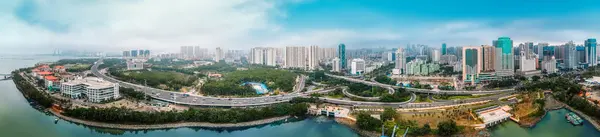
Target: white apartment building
point(335, 65)
point(549, 65)
point(219, 54)
point(436, 55)
point(357, 66)
point(400, 61)
point(295, 57)
point(313, 57)
point(527, 63)
point(263, 56)
point(96, 90)
point(327, 53)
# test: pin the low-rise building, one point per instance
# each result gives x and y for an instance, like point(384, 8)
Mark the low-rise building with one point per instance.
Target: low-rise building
point(493, 115)
point(96, 90)
point(135, 64)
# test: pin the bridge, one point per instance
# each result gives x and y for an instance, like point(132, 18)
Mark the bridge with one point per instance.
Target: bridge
point(196, 100)
point(426, 91)
point(5, 77)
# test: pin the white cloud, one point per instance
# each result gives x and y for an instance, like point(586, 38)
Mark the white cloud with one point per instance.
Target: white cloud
point(236, 24)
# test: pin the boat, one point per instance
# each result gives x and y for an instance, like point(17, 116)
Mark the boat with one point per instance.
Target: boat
point(574, 118)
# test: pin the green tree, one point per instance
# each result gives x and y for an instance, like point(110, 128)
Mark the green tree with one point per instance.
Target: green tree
point(447, 128)
point(366, 122)
point(388, 114)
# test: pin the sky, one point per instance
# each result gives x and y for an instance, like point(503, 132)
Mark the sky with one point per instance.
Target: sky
point(40, 26)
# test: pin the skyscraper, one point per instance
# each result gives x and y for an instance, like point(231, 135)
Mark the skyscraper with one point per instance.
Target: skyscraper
point(295, 57)
point(540, 49)
point(342, 55)
point(400, 61)
point(471, 63)
point(504, 60)
point(134, 53)
point(313, 57)
point(435, 55)
point(570, 57)
point(489, 56)
point(590, 50)
point(218, 54)
point(335, 65)
point(443, 48)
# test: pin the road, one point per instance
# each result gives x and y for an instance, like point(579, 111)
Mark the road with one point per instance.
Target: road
point(427, 91)
point(196, 100)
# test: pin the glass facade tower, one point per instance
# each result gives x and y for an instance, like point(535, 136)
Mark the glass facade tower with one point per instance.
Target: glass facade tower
point(342, 55)
point(504, 63)
point(590, 51)
point(443, 48)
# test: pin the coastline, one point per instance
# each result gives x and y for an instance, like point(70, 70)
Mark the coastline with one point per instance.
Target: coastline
point(155, 126)
point(350, 124)
point(560, 105)
point(169, 125)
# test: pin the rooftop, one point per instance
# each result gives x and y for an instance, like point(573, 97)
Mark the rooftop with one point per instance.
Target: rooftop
point(92, 82)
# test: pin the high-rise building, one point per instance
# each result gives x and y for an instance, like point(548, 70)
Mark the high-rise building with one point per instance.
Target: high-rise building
point(335, 64)
point(134, 53)
point(540, 49)
point(126, 54)
point(357, 66)
point(400, 61)
point(313, 57)
point(590, 50)
point(295, 57)
point(263, 56)
point(219, 54)
point(489, 56)
point(448, 59)
point(580, 54)
point(257, 56)
point(570, 57)
point(527, 63)
point(549, 65)
point(435, 55)
point(504, 60)
point(146, 53)
point(327, 53)
point(342, 55)
point(443, 48)
point(471, 64)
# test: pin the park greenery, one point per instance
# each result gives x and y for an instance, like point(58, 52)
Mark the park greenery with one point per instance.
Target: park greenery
point(503, 83)
point(211, 115)
point(31, 92)
point(131, 94)
point(166, 80)
point(385, 80)
point(233, 83)
point(389, 118)
point(447, 128)
point(360, 89)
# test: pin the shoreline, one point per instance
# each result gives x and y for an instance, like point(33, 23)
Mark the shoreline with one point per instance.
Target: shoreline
point(168, 125)
point(348, 123)
point(562, 105)
point(155, 126)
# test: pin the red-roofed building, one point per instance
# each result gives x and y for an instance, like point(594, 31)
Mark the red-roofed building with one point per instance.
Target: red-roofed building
point(60, 69)
point(52, 83)
point(51, 78)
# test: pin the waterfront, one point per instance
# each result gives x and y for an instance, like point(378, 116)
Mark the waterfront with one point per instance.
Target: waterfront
point(18, 119)
point(553, 124)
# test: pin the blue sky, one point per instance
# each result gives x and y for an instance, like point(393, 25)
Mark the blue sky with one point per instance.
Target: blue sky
point(240, 24)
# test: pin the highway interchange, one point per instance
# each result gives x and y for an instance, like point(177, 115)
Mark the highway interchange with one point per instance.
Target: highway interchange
point(196, 100)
